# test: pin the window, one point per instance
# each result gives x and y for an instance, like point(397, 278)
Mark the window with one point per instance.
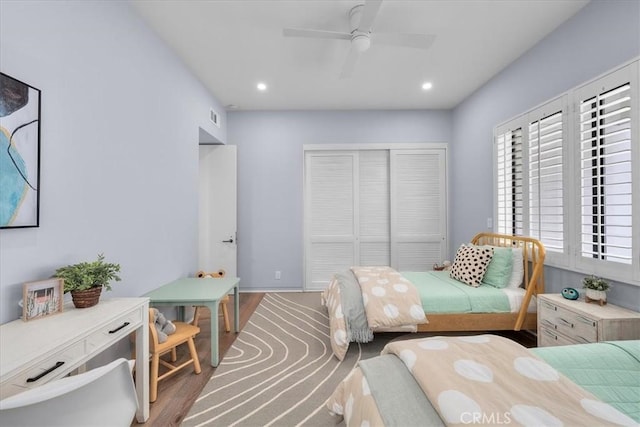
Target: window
point(571, 178)
point(530, 165)
point(605, 166)
point(509, 191)
point(546, 158)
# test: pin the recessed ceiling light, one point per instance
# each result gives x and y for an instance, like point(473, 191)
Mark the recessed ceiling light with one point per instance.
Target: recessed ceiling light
point(427, 85)
point(261, 86)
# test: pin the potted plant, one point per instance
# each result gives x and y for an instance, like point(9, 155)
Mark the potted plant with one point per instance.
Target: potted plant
point(85, 280)
point(596, 288)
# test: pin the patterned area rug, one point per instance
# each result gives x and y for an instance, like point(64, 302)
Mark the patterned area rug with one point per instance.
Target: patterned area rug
point(280, 370)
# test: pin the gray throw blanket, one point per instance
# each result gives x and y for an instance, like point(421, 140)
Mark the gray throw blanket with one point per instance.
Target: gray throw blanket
point(399, 398)
point(353, 308)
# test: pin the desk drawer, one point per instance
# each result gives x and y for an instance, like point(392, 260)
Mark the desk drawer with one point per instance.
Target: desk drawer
point(580, 328)
point(55, 366)
point(115, 330)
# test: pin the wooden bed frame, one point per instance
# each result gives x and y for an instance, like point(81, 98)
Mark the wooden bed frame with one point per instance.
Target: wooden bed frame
point(533, 257)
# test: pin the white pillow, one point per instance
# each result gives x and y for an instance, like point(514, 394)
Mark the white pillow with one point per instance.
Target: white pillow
point(517, 272)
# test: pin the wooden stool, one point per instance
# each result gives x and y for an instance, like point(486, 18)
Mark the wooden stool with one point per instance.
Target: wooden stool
point(223, 302)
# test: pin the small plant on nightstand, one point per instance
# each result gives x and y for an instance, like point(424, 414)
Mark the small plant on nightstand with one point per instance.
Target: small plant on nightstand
point(596, 288)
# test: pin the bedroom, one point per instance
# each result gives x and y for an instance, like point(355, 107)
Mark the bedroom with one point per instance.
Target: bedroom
point(123, 121)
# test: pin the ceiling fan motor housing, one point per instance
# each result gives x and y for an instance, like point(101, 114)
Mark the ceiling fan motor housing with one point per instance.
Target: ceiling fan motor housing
point(360, 40)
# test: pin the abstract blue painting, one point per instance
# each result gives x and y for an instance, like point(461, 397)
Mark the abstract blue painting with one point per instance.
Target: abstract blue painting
point(19, 154)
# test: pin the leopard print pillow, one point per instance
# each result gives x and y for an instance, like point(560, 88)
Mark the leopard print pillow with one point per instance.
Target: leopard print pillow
point(470, 264)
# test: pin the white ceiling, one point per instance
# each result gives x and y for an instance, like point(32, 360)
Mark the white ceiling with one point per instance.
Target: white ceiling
point(232, 45)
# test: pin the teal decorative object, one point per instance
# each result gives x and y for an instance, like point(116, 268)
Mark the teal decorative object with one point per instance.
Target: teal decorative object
point(570, 293)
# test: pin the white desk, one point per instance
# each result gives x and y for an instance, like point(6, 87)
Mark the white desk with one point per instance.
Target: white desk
point(36, 352)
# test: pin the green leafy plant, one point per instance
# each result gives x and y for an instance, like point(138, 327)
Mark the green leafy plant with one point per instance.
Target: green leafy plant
point(595, 283)
point(87, 275)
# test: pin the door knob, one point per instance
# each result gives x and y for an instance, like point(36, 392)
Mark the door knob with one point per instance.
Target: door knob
point(228, 241)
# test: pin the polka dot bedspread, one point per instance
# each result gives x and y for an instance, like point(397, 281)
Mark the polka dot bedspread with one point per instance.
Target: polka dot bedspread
point(391, 303)
point(481, 380)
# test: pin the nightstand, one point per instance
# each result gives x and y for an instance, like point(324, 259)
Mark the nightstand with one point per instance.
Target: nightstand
point(562, 321)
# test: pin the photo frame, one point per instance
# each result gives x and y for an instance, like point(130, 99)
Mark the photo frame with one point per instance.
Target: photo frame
point(19, 153)
point(42, 298)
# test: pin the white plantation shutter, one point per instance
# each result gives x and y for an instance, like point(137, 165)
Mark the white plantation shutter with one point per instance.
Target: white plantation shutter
point(578, 187)
point(546, 138)
point(509, 180)
point(606, 175)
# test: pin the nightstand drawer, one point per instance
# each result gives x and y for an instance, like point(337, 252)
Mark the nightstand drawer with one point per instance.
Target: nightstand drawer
point(549, 338)
point(580, 328)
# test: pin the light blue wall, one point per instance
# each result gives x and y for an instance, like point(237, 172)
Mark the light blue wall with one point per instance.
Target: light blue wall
point(120, 127)
point(601, 36)
point(270, 174)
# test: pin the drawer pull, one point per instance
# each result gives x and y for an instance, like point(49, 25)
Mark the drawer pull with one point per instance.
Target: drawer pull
point(125, 324)
point(48, 371)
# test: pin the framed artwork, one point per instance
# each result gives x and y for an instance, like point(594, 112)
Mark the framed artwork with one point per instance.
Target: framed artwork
point(19, 154)
point(42, 298)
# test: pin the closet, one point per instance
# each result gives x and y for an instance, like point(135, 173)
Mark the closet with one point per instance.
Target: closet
point(373, 205)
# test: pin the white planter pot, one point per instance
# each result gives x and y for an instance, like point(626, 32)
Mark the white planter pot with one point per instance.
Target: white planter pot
point(596, 295)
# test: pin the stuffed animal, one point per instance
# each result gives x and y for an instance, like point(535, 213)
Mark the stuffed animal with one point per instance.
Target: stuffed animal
point(214, 275)
point(163, 326)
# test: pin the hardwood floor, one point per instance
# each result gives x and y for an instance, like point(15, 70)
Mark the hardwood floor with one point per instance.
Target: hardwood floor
point(177, 393)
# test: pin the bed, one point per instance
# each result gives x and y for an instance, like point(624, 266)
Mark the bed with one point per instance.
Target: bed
point(435, 302)
point(491, 380)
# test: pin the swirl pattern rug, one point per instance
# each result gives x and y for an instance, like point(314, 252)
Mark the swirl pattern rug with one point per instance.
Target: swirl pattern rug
point(280, 370)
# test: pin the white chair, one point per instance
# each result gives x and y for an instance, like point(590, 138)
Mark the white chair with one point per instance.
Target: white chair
point(104, 396)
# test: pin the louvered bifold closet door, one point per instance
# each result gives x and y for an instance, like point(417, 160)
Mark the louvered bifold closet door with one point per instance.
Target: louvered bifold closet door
point(547, 137)
point(418, 209)
point(509, 179)
point(607, 116)
point(373, 208)
point(330, 215)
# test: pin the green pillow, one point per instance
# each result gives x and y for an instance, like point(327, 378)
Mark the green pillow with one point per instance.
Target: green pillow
point(499, 271)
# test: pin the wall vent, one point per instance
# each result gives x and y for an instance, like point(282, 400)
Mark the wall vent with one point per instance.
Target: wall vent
point(214, 117)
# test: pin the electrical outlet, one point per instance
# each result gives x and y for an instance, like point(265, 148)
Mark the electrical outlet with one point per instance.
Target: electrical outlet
point(278, 275)
point(489, 223)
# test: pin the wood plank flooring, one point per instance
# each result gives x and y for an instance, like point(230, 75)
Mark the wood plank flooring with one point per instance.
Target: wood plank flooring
point(177, 394)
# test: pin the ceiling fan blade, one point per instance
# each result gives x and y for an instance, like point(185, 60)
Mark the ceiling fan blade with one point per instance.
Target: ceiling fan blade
point(315, 34)
point(417, 41)
point(369, 13)
point(350, 63)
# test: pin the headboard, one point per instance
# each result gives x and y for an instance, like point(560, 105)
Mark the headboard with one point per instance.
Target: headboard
point(533, 253)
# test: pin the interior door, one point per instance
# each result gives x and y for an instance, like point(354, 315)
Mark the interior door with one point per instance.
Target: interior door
point(418, 209)
point(330, 216)
point(217, 246)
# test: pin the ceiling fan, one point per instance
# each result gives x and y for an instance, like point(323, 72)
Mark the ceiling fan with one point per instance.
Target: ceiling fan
point(361, 19)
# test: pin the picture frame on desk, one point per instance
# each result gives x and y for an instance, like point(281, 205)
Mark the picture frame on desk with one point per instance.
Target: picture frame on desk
point(42, 298)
